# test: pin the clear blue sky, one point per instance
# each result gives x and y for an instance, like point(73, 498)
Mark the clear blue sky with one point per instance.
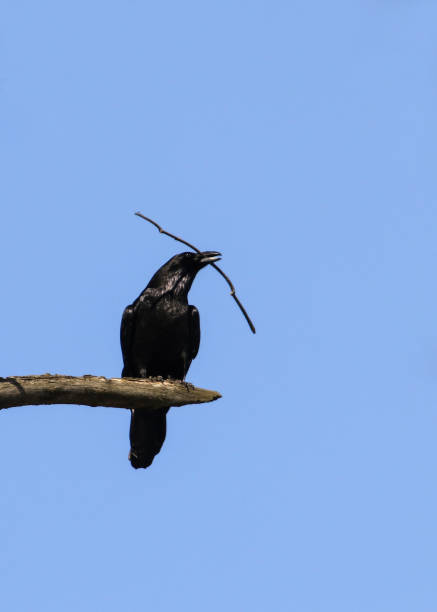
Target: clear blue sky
point(299, 139)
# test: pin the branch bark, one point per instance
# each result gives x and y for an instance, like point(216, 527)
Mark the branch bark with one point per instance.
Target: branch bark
point(128, 393)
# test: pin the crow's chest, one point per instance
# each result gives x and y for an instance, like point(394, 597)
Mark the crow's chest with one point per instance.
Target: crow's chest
point(163, 328)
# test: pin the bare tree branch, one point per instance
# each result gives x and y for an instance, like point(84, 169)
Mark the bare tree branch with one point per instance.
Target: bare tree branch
point(138, 393)
point(219, 270)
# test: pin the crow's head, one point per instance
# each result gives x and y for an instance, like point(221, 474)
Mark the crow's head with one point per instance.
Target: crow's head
point(192, 261)
point(179, 272)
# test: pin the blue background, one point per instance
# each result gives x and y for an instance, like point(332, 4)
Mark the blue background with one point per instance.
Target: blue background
point(299, 139)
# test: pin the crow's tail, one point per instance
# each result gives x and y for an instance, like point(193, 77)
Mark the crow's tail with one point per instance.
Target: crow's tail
point(147, 435)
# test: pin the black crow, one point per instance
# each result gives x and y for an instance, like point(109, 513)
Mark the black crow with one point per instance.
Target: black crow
point(160, 336)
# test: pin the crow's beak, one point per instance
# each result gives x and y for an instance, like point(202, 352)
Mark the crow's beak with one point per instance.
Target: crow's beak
point(208, 257)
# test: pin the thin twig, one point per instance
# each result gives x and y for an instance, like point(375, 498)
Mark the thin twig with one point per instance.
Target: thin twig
point(219, 270)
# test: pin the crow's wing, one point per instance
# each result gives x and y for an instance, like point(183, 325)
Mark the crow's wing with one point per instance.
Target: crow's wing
point(194, 331)
point(126, 336)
